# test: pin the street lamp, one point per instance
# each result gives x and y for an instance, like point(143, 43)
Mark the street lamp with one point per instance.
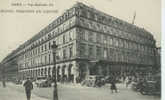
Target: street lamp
point(55, 94)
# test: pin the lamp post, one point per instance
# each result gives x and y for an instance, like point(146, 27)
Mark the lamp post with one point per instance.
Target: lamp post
point(55, 93)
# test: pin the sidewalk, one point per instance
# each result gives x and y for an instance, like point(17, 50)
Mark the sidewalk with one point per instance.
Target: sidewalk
point(11, 94)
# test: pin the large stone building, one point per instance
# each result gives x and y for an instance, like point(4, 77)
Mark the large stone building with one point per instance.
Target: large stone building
point(89, 42)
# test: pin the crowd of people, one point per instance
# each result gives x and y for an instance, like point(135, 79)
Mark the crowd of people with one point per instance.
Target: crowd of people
point(128, 78)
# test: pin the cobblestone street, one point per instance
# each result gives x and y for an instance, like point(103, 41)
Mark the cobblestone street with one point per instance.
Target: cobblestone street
point(11, 93)
point(72, 92)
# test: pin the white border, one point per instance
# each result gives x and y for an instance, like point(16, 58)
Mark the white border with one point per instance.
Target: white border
point(163, 47)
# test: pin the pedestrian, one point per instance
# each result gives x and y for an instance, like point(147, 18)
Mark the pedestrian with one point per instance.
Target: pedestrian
point(4, 82)
point(113, 85)
point(129, 80)
point(124, 77)
point(28, 87)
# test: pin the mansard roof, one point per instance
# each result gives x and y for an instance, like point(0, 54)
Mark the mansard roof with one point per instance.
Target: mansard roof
point(125, 25)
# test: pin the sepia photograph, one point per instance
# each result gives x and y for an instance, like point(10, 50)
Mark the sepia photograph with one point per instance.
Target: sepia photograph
point(80, 50)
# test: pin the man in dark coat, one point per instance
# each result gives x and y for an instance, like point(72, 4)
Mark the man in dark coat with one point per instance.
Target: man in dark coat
point(28, 87)
point(113, 85)
point(4, 82)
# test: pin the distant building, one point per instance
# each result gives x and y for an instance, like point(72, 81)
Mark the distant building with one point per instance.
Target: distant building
point(158, 58)
point(89, 42)
point(9, 66)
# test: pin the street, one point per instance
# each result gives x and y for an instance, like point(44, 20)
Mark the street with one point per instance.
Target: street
point(11, 93)
point(73, 92)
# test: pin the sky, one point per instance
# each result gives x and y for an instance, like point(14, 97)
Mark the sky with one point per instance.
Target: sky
point(16, 28)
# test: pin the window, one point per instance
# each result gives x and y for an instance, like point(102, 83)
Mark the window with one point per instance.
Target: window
point(49, 35)
point(105, 29)
point(95, 17)
point(42, 40)
point(49, 59)
point(101, 28)
point(131, 45)
point(58, 54)
point(121, 43)
point(45, 47)
point(64, 38)
point(70, 36)
point(42, 48)
point(58, 30)
point(34, 62)
point(70, 23)
point(45, 59)
point(31, 52)
point(72, 12)
point(98, 26)
point(117, 42)
point(70, 51)
point(90, 24)
point(42, 71)
point(98, 52)
point(31, 62)
point(83, 12)
point(91, 51)
point(105, 39)
point(38, 49)
point(111, 41)
point(82, 22)
point(54, 33)
point(82, 50)
point(49, 45)
point(61, 29)
point(34, 51)
point(86, 23)
point(126, 44)
point(81, 34)
point(91, 37)
point(137, 47)
point(64, 53)
point(92, 15)
point(114, 41)
point(99, 18)
point(98, 37)
point(88, 14)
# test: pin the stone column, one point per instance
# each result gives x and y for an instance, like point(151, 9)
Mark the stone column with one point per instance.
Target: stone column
point(51, 69)
point(66, 71)
point(76, 71)
point(87, 69)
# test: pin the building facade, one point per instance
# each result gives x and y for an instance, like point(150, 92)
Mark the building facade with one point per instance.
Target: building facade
point(90, 42)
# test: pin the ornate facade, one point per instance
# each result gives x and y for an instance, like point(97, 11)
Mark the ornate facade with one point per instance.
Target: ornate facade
point(89, 42)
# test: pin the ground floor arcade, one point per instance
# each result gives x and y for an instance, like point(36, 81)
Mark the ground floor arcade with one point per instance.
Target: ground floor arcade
point(76, 71)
